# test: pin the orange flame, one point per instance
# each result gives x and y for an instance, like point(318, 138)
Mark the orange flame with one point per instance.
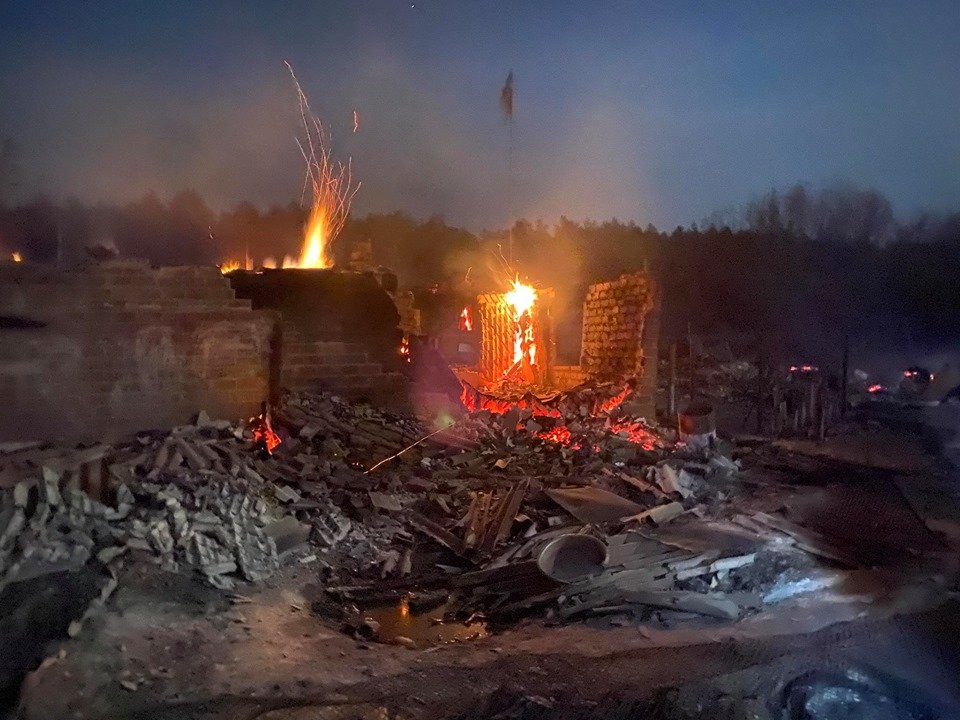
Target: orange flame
point(522, 299)
point(263, 431)
point(228, 266)
point(466, 320)
point(16, 256)
point(332, 186)
point(405, 348)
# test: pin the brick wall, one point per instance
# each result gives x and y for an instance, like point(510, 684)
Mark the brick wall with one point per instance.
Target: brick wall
point(620, 328)
point(497, 330)
point(309, 363)
point(114, 348)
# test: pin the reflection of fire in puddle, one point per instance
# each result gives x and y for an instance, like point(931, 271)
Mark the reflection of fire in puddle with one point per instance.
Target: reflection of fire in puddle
point(427, 628)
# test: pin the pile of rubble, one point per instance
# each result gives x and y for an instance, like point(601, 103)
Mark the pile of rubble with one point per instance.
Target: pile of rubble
point(466, 515)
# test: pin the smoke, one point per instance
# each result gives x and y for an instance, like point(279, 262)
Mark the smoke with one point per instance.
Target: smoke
point(105, 135)
point(103, 131)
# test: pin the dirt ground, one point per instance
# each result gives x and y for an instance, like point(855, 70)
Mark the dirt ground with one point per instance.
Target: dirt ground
point(168, 646)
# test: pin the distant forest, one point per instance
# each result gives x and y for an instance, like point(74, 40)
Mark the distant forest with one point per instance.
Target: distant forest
point(790, 274)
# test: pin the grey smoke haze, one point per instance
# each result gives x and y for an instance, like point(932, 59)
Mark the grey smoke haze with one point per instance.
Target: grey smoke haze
point(655, 115)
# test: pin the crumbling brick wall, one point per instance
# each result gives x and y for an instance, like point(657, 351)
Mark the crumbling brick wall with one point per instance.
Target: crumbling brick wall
point(620, 327)
point(497, 330)
point(306, 362)
point(113, 348)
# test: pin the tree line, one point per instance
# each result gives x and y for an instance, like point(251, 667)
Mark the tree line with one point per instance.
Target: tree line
point(793, 271)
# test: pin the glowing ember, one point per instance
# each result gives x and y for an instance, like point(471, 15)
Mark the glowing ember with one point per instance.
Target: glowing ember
point(634, 431)
point(16, 256)
point(559, 435)
point(521, 300)
point(637, 433)
point(466, 320)
point(607, 405)
point(474, 400)
point(262, 430)
point(405, 348)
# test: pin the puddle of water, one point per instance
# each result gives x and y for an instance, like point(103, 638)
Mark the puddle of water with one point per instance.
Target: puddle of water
point(427, 628)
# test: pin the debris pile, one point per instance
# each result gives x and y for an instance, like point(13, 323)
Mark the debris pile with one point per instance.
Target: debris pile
point(190, 498)
point(568, 506)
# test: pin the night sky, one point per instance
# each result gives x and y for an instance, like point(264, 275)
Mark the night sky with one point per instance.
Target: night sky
point(653, 112)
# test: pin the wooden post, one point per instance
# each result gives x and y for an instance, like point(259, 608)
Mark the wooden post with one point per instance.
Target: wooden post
point(846, 371)
point(672, 390)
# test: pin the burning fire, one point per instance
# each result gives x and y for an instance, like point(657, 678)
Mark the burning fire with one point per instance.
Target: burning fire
point(474, 400)
point(522, 299)
point(875, 388)
point(262, 430)
point(16, 256)
point(332, 186)
point(466, 319)
point(405, 348)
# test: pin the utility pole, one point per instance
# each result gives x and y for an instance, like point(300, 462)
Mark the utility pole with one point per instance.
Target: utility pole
point(506, 105)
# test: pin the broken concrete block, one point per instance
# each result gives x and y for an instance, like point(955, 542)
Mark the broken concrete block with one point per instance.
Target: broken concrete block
point(285, 494)
point(330, 527)
point(287, 533)
point(160, 537)
point(21, 494)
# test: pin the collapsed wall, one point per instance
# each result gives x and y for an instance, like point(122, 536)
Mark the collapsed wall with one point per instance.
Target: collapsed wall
point(339, 331)
point(621, 322)
point(109, 349)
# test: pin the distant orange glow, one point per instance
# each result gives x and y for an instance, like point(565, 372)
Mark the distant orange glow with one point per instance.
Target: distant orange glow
point(228, 266)
point(16, 256)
